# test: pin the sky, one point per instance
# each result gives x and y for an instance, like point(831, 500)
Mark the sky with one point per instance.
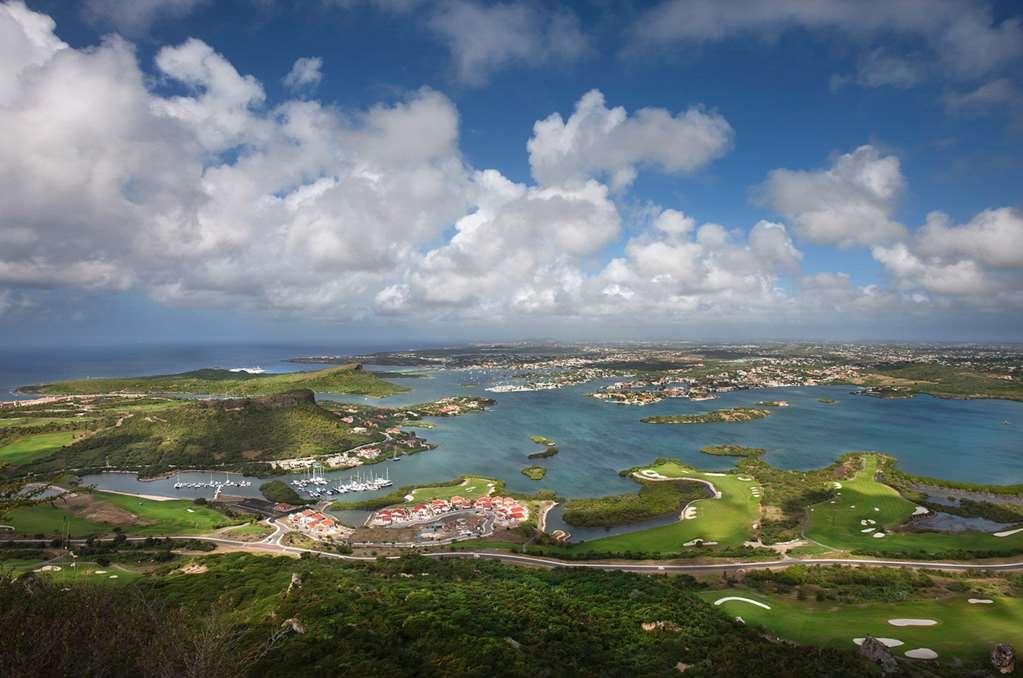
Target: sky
point(413, 170)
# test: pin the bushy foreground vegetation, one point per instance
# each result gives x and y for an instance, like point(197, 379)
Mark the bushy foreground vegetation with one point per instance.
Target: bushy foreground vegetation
point(412, 616)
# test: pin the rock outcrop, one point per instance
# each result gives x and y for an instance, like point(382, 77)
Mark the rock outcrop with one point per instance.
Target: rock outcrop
point(296, 583)
point(874, 650)
point(1003, 658)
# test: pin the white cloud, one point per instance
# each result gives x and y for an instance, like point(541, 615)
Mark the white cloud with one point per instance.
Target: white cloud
point(849, 203)
point(598, 141)
point(962, 34)
point(997, 94)
point(134, 17)
point(981, 261)
point(484, 38)
point(305, 74)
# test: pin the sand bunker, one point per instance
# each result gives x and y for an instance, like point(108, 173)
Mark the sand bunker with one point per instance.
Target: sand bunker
point(716, 475)
point(1008, 533)
point(743, 600)
point(922, 653)
point(878, 535)
point(689, 513)
point(887, 642)
point(912, 622)
point(837, 485)
point(744, 478)
point(920, 510)
point(49, 568)
point(869, 529)
point(981, 601)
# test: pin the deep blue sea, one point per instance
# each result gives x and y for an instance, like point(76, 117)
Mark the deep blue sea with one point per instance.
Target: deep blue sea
point(970, 440)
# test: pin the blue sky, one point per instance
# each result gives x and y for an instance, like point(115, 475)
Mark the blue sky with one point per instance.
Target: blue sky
point(174, 201)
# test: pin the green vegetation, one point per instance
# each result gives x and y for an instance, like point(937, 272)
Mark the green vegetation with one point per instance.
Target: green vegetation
point(249, 532)
point(85, 514)
point(341, 379)
point(33, 447)
point(839, 523)
point(223, 434)
point(843, 583)
point(964, 632)
point(279, 491)
point(469, 487)
point(733, 414)
point(545, 454)
point(540, 440)
point(732, 451)
point(773, 403)
point(654, 499)
point(727, 522)
point(827, 401)
point(413, 616)
point(943, 381)
point(534, 472)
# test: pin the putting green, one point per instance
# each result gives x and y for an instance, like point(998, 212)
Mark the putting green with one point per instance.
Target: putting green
point(34, 447)
point(839, 523)
point(470, 488)
point(727, 521)
point(963, 630)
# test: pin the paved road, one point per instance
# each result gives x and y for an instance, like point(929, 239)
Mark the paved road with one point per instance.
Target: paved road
point(274, 546)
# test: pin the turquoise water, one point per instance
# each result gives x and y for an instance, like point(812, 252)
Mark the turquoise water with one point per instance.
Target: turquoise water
point(956, 439)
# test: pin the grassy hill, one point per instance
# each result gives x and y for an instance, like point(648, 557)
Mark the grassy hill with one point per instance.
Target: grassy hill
point(341, 379)
point(211, 434)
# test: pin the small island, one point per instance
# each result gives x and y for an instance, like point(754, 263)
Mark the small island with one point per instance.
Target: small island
point(773, 403)
point(729, 415)
point(827, 401)
point(534, 472)
point(732, 451)
point(550, 448)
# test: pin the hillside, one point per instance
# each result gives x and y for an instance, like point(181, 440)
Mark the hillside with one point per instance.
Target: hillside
point(342, 379)
point(212, 434)
point(234, 616)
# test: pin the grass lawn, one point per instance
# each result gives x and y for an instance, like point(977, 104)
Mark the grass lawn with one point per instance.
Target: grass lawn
point(963, 630)
point(249, 532)
point(34, 446)
point(470, 488)
point(727, 521)
point(178, 516)
point(167, 518)
point(838, 524)
point(49, 520)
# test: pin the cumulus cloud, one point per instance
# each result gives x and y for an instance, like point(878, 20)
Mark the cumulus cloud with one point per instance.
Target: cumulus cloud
point(134, 17)
point(483, 38)
point(597, 141)
point(981, 260)
point(210, 197)
point(962, 35)
point(849, 203)
point(305, 74)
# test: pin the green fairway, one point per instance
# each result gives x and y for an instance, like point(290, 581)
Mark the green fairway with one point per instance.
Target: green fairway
point(156, 518)
point(470, 488)
point(34, 446)
point(178, 516)
point(50, 521)
point(963, 630)
point(839, 523)
point(727, 521)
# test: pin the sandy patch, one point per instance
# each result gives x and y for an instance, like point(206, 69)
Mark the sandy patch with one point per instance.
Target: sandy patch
point(100, 572)
point(869, 529)
point(887, 642)
point(744, 478)
point(837, 485)
point(742, 600)
point(922, 653)
point(981, 601)
point(113, 576)
point(920, 510)
point(716, 475)
point(1008, 533)
point(50, 568)
point(878, 535)
point(88, 507)
point(194, 568)
point(912, 622)
point(689, 513)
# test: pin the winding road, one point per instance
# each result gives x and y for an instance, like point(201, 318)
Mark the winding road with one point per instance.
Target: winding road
point(271, 544)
